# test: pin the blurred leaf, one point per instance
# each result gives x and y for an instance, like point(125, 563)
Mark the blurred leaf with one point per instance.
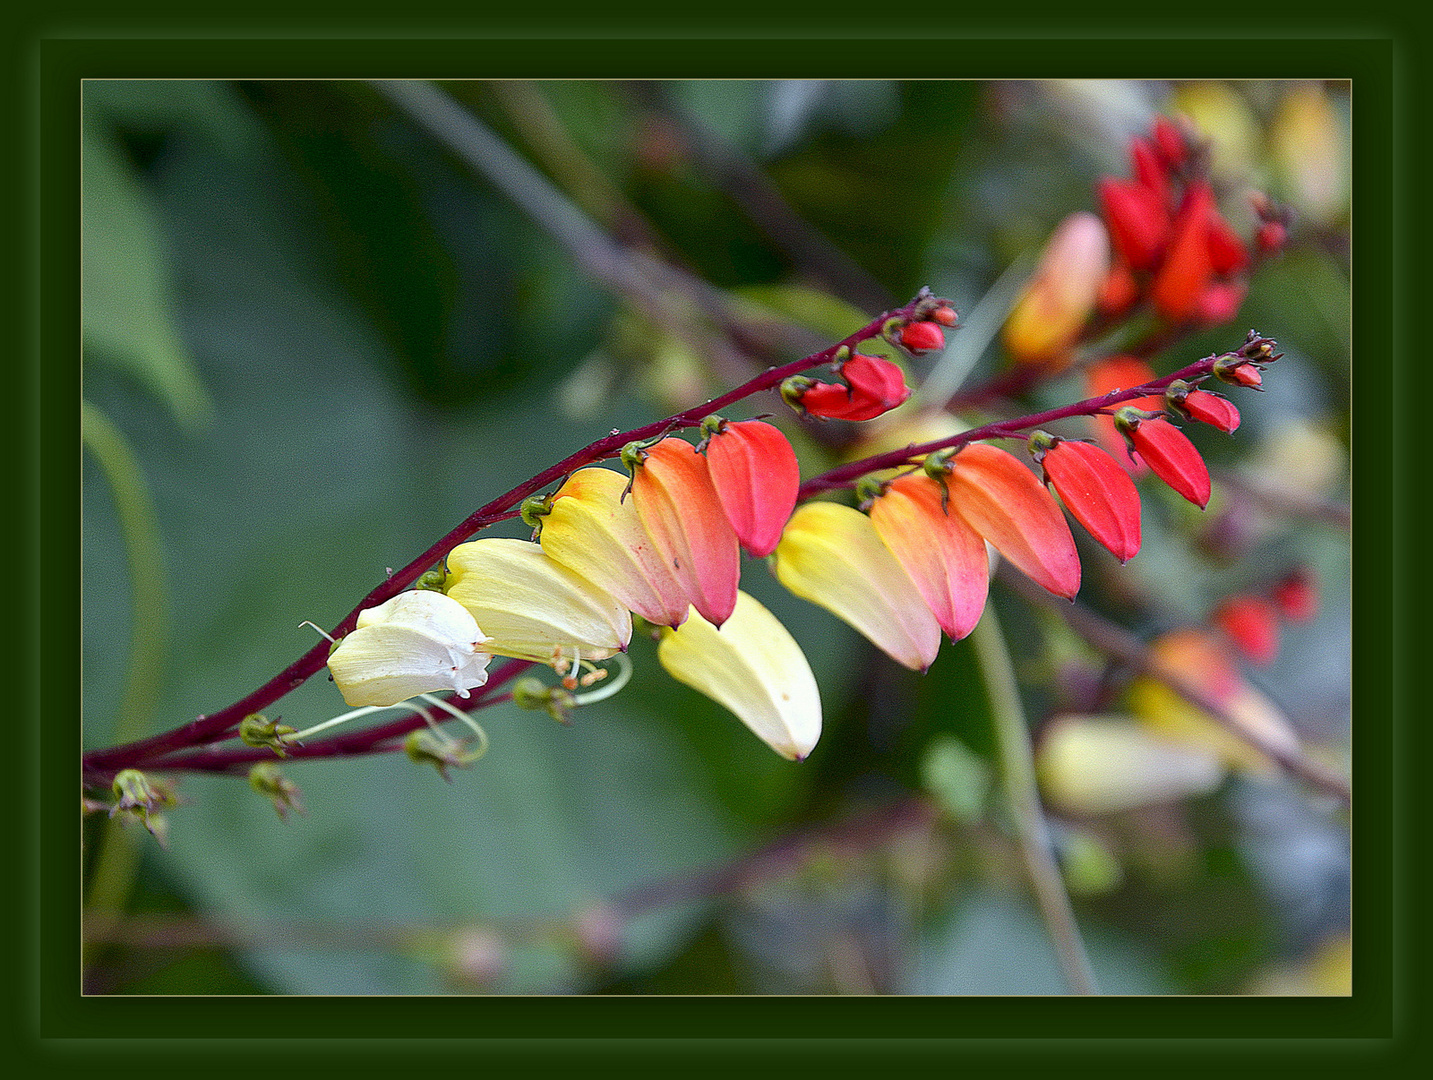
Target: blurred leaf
point(957, 778)
point(128, 301)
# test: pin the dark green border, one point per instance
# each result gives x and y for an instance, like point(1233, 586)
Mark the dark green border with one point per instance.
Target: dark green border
point(943, 47)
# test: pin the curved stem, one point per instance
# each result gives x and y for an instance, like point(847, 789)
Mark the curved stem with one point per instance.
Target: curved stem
point(1017, 769)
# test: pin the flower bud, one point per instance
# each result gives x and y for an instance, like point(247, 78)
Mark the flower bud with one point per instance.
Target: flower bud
point(922, 337)
point(831, 555)
point(1238, 372)
point(1271, 237)
point(1252, 623)
point(876, 386)
point(940, 552)
point(268, 781)
point(1191, 404)
point(594, 532)
point(756, 476)
point(1138, 221)
point(416, 643)
point(1095, 489)
point(1296, 596)
point(1060, 297)
point(534, 607)
point(1118, 373)
point(1168, 452)
point(678, 505)
point(1003, 501)
point(753, 667)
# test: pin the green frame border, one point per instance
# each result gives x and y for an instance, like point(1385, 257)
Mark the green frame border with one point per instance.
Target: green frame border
point(1366, 1024)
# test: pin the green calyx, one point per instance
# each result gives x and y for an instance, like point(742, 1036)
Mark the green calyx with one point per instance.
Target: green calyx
point(534, 508)
point(258, 730)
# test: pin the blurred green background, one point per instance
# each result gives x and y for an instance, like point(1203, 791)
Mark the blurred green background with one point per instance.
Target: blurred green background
point(316, 338)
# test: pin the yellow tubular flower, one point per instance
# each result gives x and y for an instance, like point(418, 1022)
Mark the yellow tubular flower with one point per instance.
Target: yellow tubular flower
point(533, 607)
point(754, 667)
point(832, 555)
point(415, 643)
point(594, 532)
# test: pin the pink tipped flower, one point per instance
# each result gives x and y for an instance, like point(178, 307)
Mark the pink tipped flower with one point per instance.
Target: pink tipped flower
point(1252, 624)
point(678, 505)
point(1138, 221)
point(594, 532)
point(1095, 489)
point(756, 476)
point(1060, 297)
point(940, 552)
point(1003, 501)
point(1168, 452)
point(831, 555)
point(922, 337)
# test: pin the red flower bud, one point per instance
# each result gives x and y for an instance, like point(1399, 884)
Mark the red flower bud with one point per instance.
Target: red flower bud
point(920, 337)
point(1297, 596)
point(1168, 452)
point(946, 316)
point(1238, 373)
point(1271, 237)
point(756, 476)
point(1149, 168)
point(876, 386)
point(1118, 373)
point(1095, 489)
point(1252, 624)
point(1210, 409)
point(1170, 141)
point(1138, 221)
point(1188, 266)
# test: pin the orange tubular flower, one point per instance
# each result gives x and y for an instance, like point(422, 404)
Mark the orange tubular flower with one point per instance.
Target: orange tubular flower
point(1060, 296)
point(1094, 488)
point(943, 555)
point(1003, 501)
point(832, 555)
point(679, 507)
point(593, 532)
point(1168, 452)
point(756, 476)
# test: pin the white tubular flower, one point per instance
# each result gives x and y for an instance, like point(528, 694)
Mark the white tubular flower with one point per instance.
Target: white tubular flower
point(754, 667)
point(534, 607)
point(415, 643)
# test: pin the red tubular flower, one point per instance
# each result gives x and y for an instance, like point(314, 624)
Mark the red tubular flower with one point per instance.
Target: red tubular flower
point(1138, 221)
point(1095, 489)
point(876, 386)
point(1188, 266)
point(1297, 596)
point(1149, 168)
point(1211, 409)
point(679, 507)
point(1227, 252)
point(1170, 141)
point(756, 476)
point(943, 555)
point(1168, 452)
point(1252, 624)
point(1119, 291)
point(1003, 501)
point(920, 337)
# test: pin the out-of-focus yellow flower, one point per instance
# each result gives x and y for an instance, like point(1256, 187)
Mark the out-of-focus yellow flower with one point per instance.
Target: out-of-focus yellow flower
point(594, 532)
point(1307, 143)
point(1224, 116)
point(533, 607)
point(1060, 296)
point(754, 667)
point(1091, 765)
point(832, 555)
point(415, 643)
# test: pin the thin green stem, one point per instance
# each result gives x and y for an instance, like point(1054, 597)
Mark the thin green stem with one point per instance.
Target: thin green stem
point(1017, 770)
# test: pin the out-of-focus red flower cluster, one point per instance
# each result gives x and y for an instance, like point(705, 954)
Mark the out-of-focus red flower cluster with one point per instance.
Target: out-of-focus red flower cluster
point(1252, 621)
point(1171, 244)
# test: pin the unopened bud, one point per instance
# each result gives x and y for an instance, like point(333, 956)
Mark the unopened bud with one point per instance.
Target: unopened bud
point(268, 781)
point(258, 730)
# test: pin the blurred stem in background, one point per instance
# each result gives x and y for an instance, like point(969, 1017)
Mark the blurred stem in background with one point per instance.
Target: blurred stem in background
point(1017, 771)
point(119, 855)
